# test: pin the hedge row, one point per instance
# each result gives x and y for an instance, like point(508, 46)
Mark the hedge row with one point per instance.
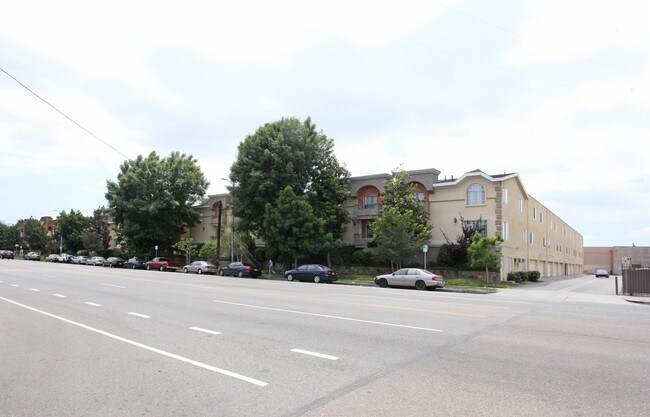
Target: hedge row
point(522, 276)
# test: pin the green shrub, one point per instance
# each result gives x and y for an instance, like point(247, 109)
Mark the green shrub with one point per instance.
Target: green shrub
point(362, 257)
point(519, 276)
point(534, 276)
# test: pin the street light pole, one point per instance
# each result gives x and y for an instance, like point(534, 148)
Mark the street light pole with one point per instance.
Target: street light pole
point(232, 226)
point(60, 235)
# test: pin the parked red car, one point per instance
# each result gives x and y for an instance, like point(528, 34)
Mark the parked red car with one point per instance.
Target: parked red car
point(162, 263)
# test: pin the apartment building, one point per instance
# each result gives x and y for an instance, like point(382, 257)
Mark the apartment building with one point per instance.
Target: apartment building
point(535, 238)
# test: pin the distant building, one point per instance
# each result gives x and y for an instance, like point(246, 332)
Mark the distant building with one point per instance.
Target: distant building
point(611, 258)
point(535, 238)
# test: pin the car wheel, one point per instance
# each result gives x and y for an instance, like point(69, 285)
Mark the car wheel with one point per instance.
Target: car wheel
point(133, 267)
point(382, 283)
point(148, 268)
point(316, 279)
point(240, 274)
point(289, 277)
point(420, 285)
point(200, 271)
point(162, 268)
point(221, 272)
point(185, 270)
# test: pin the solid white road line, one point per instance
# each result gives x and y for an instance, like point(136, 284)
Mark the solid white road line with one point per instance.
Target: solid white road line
point(331, 317)
point(140, 315)
point(92, 304)
point(34, 289)
point(198, 329)
point(114, 286)
point(319, 355)
point(143, 346)
point(15, 285)
point(60, 296)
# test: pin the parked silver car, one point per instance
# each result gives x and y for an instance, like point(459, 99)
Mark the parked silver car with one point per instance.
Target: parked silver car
point(201, 267)
point(421, 279)
point(96, 261)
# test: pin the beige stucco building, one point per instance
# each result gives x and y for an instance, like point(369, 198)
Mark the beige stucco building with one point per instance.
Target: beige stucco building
point(535, 238)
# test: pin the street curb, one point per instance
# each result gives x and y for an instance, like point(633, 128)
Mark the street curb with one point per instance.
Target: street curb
point(637, 301)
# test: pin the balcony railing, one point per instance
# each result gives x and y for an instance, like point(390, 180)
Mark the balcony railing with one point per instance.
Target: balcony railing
point(370, 210)
point(362, 241)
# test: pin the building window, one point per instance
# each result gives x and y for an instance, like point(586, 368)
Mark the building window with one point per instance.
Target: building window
point(506, 232)
point(475, 195)
point(370, 201)
point(419, 195)
point(525, 235)
point(521, 205)
point(532, 238)
point(535, 214)
point(476, 226)
point(541, 217)
point(368, 231)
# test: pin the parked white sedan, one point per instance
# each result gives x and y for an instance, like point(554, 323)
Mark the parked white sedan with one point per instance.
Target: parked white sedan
point(421, 279)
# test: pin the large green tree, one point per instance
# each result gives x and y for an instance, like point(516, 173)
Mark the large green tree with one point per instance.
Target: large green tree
point(34, 234)
point(9, 236)
point(403, 225)
point(292, 227)
point(289, 153)
point(100, 225)
point(72, 227)
point(153, 198)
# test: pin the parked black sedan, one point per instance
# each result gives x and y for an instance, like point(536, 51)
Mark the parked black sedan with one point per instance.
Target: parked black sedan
point(240, 269)
point(311, 272)
point(114, 262)
point(135, 263)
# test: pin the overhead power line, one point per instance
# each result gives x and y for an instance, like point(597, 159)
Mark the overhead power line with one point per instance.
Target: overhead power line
point(63, 114)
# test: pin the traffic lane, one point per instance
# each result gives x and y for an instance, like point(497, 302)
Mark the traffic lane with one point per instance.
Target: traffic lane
point(273, 289)
point(67, 371)
point(132, 298)
point(152, 283)
point(155, 321)
point(309, 385)
point(515, 370)
point(382, 353)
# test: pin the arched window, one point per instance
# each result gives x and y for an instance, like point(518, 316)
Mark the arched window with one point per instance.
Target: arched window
point(475, 195)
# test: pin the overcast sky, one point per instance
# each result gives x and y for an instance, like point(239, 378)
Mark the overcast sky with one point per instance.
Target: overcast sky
point(554, 90)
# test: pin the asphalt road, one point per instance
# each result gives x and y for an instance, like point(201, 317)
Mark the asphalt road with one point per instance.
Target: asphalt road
point(91, 341)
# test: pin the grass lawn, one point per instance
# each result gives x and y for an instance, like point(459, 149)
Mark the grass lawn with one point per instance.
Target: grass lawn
point(460, 283)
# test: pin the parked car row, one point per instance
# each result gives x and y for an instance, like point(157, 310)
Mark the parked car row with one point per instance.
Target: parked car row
point(420, 279)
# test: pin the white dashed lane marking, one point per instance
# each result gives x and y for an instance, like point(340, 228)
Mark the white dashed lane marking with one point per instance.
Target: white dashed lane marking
point(139, 315)
point(114, 286)
point(143, 346)
point(198, 329)
point(92, 304)
point(316, 354)
point(60, 295)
